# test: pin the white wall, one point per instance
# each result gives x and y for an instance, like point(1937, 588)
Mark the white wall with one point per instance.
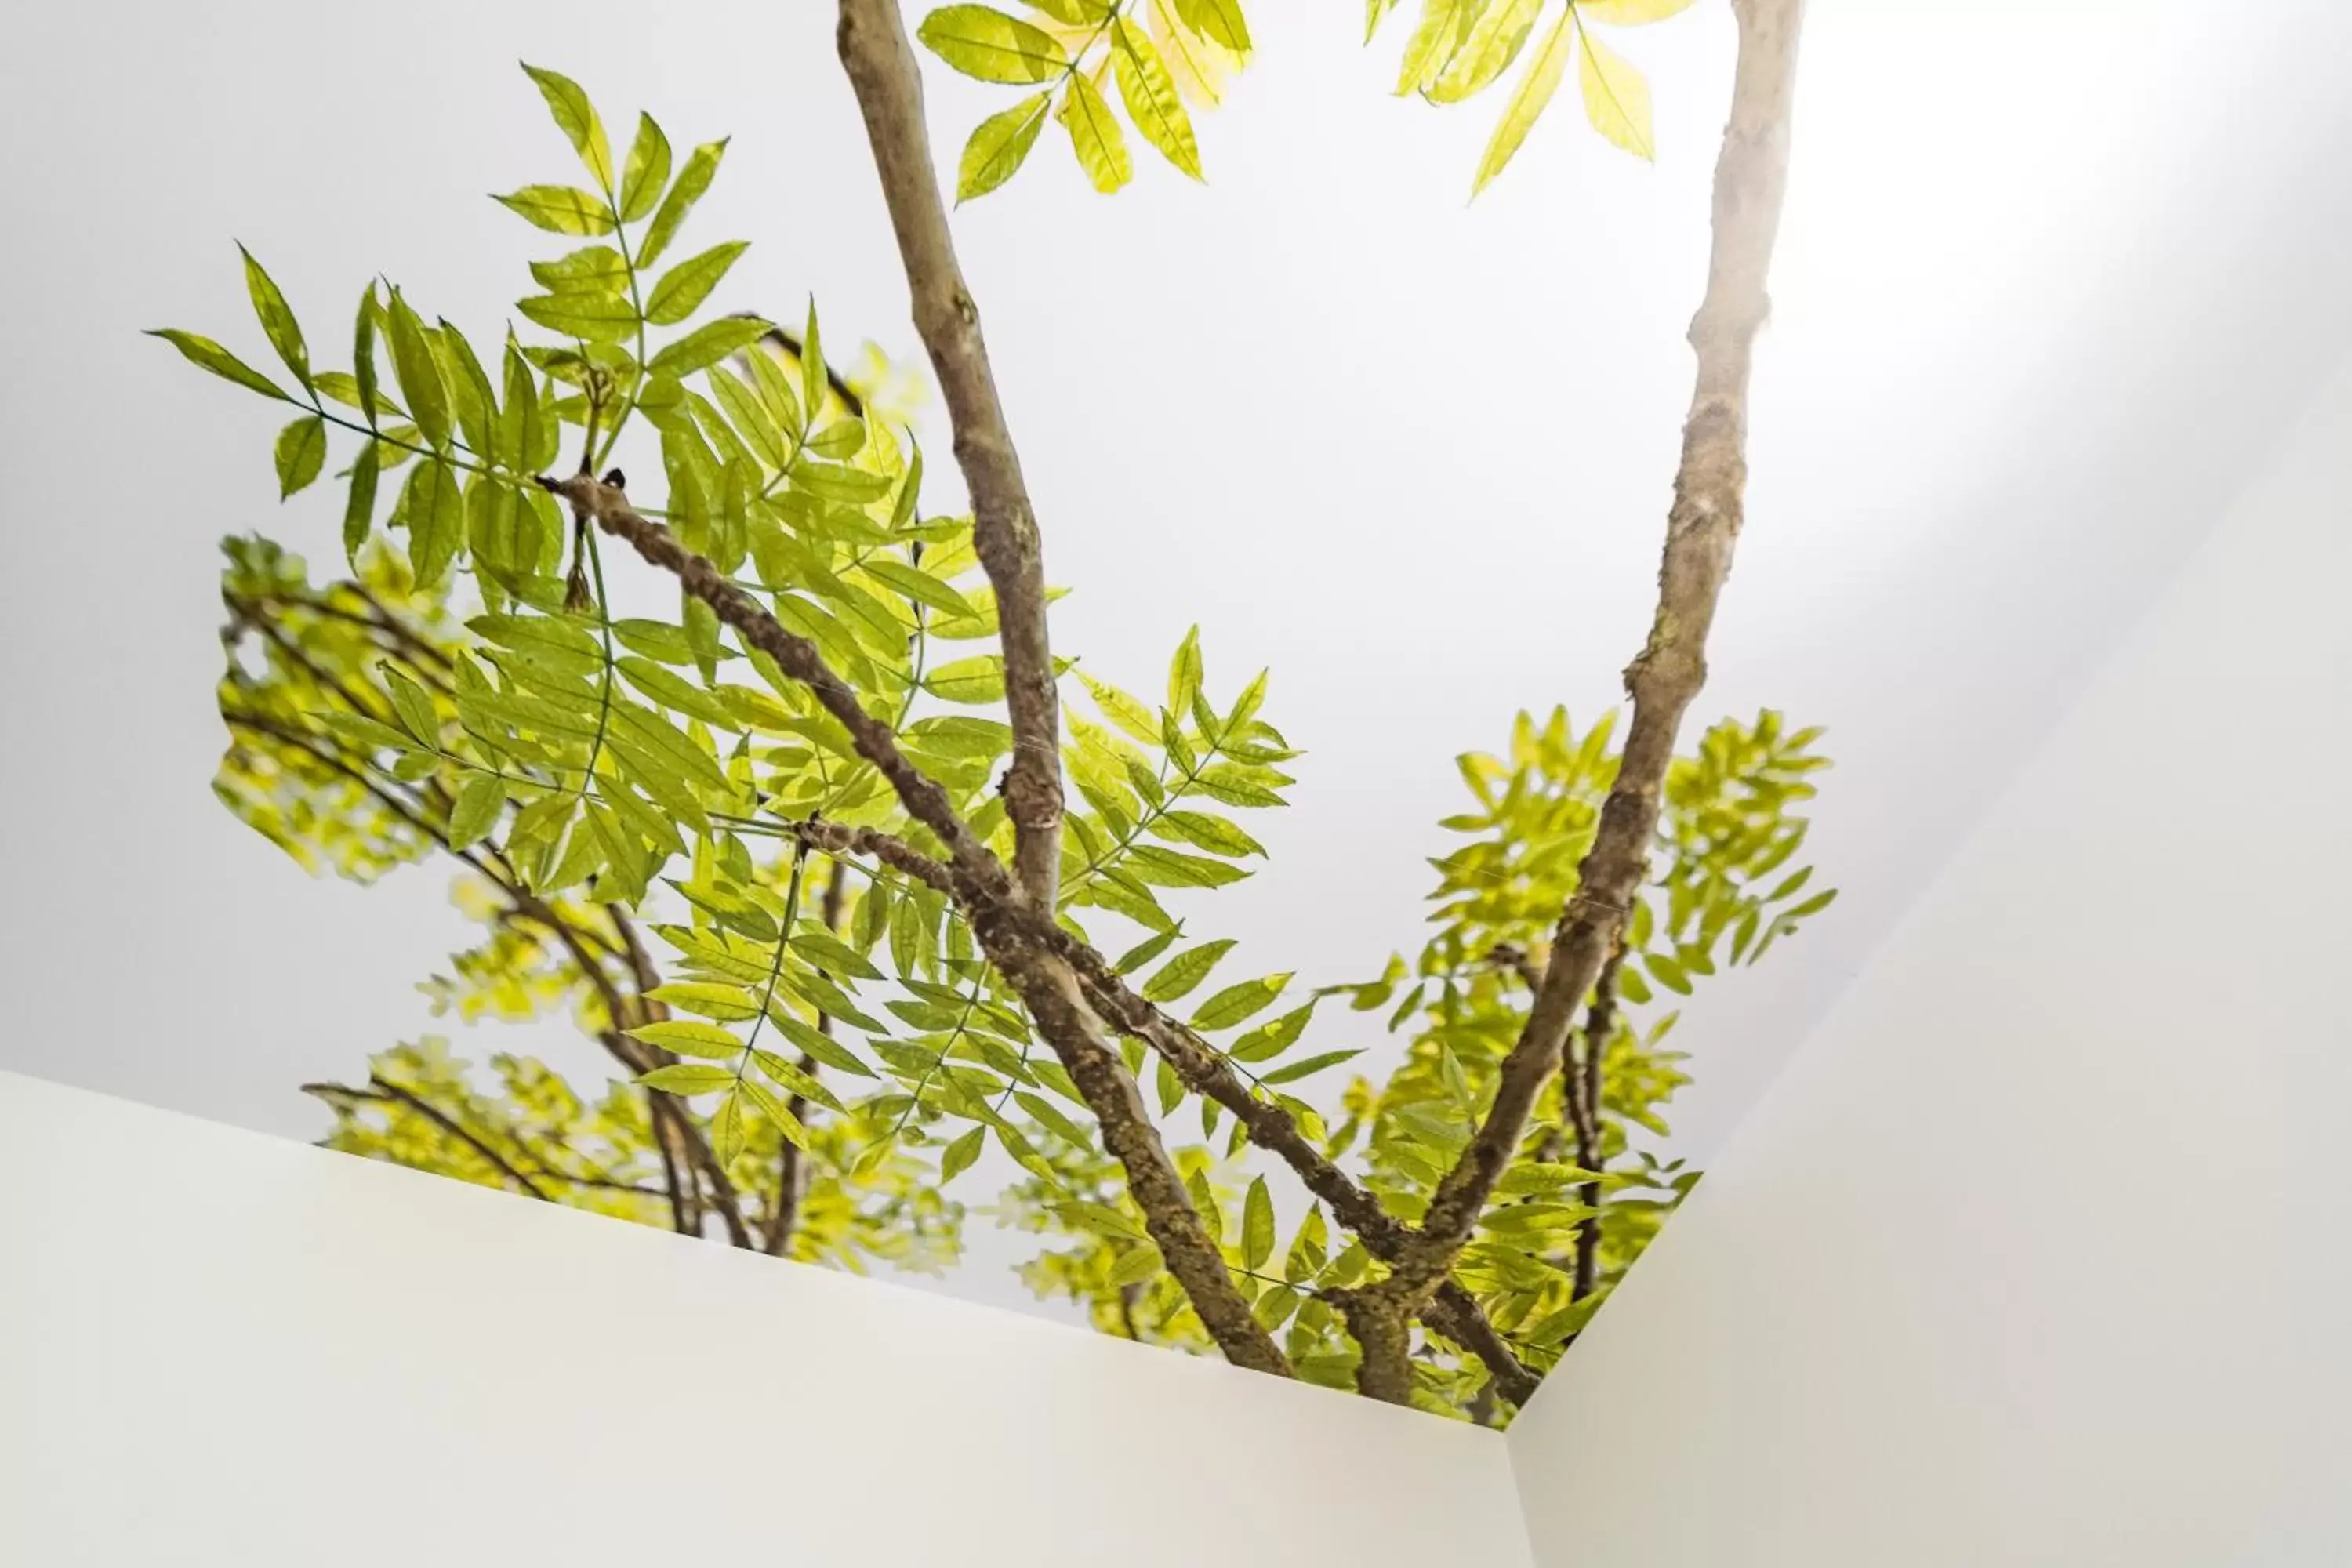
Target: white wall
point(2040, 1252)
point(219, 1347)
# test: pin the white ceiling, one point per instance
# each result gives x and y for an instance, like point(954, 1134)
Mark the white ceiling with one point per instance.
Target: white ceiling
point(2051, 278)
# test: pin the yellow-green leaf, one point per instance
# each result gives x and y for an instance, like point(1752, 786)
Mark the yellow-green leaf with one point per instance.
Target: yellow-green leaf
point(998, 144)
point(920, 586)
point(688, 1038)
point(1493, 42)
point(476, 810)
point(1258, 1224)
point(1443, 26)
point(1630, 13)
point(1527, 100)
point(301, 453)
point(277, 317)
point(1236, 1002)
point(1149, 94)
point(577, 119)
point(686, 1077)
point(645, 171)
point(1095, 135)
point(418, 370)
point(1182, 973)
point(596, 317)
point(701, 165)
point(970, 680)
point(559, 209)
point(204, 351)
point(1616, 98)
point(727, 1003)
point(982, 42)
point(957, 1156)
point(436, 511)
point(1219, 21)
point(707, 344)
point(686, 285)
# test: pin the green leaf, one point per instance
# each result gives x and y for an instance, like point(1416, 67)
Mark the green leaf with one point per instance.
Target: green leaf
point(727, 1003)
point(687, 284)
point(359, 511)
point(1811, 906)
point(1273, 1037)
point(1236, 1002)
point(1149, 94)
point(419, 373)
point(1616, 98)
point(1185, 673)
point(920, 586)
point(1173, 869)
point(967, 681)
point(688, 1038)
point(1258, 1224)
point(1667, 973)
point(591, 269)
point(559, 209)
point(476, 810)
point(277, 317)
point(1122, 710)
point(957, 1156)
point(596, 318)
point(577, 117)
point(707, 344)
point(301, 453)
point(1529, 101)
point(701, 165)
point(413, 708)
point(1135, 1265)
point(998, 146)
point(985, 43)
point(1203, 831)
point(685, 1078)
point(813, 382)
point(1182, 973)
point(220, 362)
point(436, 511)
point(363, 356)
point(727, 1131)
point(1095, 135)
point(1302, 1068)
point(645, 171)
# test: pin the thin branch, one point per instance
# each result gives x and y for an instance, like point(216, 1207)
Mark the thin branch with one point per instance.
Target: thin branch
point(1752, 174)
point(792, 1173)
point(882, 71)
point(1582, 1084)
point(456, 1129)
point(798, 658)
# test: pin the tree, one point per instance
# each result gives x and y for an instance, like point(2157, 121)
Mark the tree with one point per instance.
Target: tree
point(732, 841)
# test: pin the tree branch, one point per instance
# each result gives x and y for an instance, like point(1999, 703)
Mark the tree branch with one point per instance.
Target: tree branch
point(925, 800)
point(448, 1124)
point(882, 71)
point(791, 1174)
point(1051, 989)
point(1582, 1084)
point(1752, 174)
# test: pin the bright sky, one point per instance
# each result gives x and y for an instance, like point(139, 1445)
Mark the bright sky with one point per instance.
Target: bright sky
point(2049, 273)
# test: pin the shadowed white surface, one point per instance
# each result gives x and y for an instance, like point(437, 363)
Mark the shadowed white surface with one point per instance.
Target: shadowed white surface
point(2035, 1254)
point(268, 1355)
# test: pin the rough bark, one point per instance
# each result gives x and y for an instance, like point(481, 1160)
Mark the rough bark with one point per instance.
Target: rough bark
point(1752, 173)
point(882, 71)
